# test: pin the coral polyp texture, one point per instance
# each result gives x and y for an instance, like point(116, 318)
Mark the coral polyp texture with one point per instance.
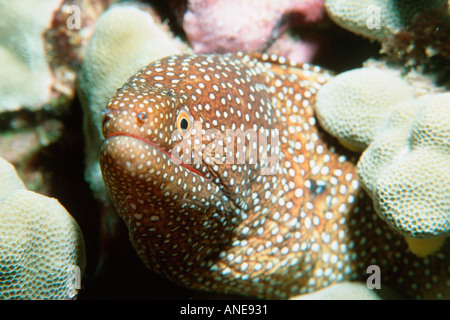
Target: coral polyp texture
point(413, 34)
point(342, 291)
point(10, 179)
point(405, 165)
point(406, 169)
point(39, 53)
point(377, 19)
point(41, 246)
point(353, 105)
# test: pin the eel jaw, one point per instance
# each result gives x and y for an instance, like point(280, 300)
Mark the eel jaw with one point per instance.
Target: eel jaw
point(157, 147)
point(156, 197)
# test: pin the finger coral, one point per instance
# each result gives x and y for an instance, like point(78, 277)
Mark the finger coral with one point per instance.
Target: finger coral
point(406, 170)
point(42, 252)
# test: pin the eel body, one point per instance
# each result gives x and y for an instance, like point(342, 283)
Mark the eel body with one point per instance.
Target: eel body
point(226, 182)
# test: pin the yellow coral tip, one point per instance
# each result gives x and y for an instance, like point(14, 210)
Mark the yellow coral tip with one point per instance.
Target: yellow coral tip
point(424, 247)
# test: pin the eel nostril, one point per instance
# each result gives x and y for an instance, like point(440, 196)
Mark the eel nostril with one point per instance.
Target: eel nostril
point(108, 114)
point(142, 116)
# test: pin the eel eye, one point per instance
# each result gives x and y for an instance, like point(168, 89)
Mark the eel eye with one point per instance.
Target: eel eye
point(183, 122)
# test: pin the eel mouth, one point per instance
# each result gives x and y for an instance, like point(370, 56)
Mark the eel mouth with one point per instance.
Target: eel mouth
point(157, 147)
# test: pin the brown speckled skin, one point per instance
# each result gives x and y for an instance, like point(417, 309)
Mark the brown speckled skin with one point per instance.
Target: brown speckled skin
point(227, 227)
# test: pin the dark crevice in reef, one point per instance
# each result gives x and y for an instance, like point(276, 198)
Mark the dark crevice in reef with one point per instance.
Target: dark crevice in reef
point(63, 165)
point(344, 50)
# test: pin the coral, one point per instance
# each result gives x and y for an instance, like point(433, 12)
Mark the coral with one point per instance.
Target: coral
point(423, 45)
point(406, 169)
point(41, 245)
point(26, 78)
point(353, 105)
point(377, 19)
point(412, 33)
point(295, 48)
point(245, 25)
point(342, 291)
point(67, 39)
point(39, 57)
point(39, 54)
point(404, 133)
point(10, 180)
point(347, 290)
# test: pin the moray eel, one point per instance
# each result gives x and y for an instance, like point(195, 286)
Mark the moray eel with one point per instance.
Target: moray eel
point(226, 183)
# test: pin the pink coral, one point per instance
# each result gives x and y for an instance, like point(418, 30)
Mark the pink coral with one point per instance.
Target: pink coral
point(246, 25)
point(297, 49)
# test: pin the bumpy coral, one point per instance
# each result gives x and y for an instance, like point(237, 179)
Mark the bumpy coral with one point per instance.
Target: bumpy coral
point(353, 105)
point(10, 179)
point(406, 169)
point(411, 33)
point(377, 18)
point(42, 253)
point(40, 50)
point(342, 291)
point(237, 25)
